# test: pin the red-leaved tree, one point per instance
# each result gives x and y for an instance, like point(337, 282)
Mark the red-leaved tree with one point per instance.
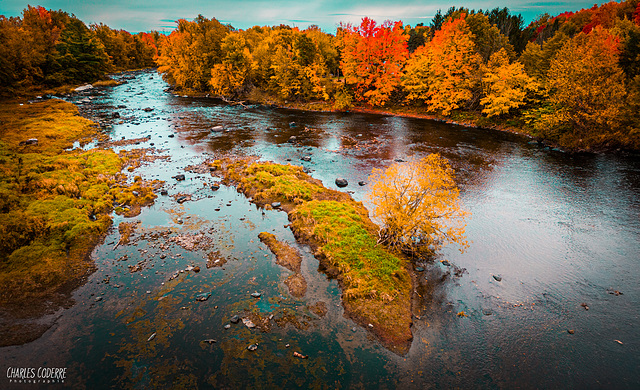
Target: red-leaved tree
point(372, 59)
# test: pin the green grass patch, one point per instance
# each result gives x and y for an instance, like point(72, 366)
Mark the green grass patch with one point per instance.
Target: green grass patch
point(367, 269)
point(54, 203)
point(281, 182)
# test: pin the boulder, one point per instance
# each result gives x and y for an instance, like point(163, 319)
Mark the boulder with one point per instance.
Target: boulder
point(179, 177)
point(340, 182)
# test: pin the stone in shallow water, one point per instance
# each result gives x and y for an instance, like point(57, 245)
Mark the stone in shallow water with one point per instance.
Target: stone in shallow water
point(203, 296)
point(340, 182)
point(234, 319)
point(275, 205)
point(179, 177)
point(248, 323)
point(419, 269)
point(497, 277)
point(252, 347)
point(256, 295)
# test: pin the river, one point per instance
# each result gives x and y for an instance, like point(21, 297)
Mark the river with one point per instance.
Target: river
point(550, 233)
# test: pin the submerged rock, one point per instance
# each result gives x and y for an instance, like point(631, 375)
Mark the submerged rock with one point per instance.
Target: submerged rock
point(256, 295)
point(234, 319)
point(297, 285)
point(203, 296)
point(497, 277)
point(252, 347)
point(179, 177)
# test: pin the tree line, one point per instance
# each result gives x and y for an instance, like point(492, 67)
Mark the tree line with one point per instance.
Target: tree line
point(573, 79)
point(47, 48)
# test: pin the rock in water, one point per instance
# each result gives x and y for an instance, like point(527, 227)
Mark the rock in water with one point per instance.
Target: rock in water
point(275, 205)
point(497, 277)
point(179, 177)
point(217, 129)
point(340, 182)
point(234, 319)
point(299, 355)
point(252, 347)
point(210, 341)
point(203, 296)
point(362, 183)
point(256, 295)
point(248, 323)
point(151, 337)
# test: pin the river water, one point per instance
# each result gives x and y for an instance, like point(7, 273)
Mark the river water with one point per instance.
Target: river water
point(550, 233)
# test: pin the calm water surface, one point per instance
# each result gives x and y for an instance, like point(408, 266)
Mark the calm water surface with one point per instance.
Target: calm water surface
point(559, 230)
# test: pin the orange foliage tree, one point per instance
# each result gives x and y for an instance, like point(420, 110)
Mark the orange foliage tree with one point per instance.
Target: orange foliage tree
point(417, 206)
point(372, 59)
point(444, 73)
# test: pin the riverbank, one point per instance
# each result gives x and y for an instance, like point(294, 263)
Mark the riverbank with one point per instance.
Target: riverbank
point(376, 284)
point(55, 206)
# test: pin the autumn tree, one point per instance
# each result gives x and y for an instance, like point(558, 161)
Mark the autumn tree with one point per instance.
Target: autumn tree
point(229, 77)
point(505, 85)
point(191, 51)
point(372, 59)
point(444, 73)
point(586, 90)
point(537, 58)
point(417, 206)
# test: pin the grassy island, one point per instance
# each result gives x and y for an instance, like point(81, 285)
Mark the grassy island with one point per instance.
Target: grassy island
point(376, 284)
point(55, 205)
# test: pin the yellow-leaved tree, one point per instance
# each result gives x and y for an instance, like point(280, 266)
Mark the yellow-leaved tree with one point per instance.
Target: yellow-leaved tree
point(505, 85)
point(417, 206)
point(229, 77)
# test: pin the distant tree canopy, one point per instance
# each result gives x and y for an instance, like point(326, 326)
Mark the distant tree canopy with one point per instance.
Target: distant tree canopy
point(51, 48)
point(482, 63)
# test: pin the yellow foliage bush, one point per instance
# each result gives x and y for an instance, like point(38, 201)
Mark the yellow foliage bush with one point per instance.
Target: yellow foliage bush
point(417, 205)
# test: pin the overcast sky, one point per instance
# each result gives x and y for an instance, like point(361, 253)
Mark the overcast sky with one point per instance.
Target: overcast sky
point(139, 15)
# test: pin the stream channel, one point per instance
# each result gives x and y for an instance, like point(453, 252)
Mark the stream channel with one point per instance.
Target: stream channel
point(549, 232)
